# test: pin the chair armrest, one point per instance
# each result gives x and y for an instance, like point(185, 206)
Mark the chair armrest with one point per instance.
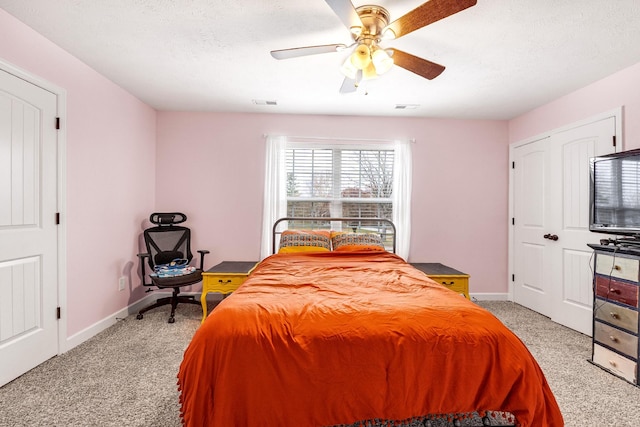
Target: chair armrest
point(143, 257)
point(202, 253)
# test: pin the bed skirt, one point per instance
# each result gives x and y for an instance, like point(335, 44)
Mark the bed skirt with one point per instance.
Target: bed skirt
point(488, 418)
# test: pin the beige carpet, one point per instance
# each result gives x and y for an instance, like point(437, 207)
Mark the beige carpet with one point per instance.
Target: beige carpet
point(126, 376)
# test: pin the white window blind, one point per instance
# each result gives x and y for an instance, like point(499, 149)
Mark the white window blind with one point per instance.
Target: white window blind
point(339, 182)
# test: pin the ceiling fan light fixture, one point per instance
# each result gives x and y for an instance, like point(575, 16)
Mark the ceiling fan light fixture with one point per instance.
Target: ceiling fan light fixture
point(369, 72)
point(361, 57)
point(348, 69)
point(382, 61)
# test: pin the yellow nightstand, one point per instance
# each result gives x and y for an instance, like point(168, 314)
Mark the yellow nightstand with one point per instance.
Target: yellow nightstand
point(224, 278)
point(447, 276)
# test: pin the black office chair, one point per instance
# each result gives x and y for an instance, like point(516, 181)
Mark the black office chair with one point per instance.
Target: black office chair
point(168, 242)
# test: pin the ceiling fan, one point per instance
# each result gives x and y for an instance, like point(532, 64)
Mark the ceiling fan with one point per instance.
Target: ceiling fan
point(369, 26)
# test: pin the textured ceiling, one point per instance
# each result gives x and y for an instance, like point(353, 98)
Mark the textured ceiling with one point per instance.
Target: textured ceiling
point(503, 57)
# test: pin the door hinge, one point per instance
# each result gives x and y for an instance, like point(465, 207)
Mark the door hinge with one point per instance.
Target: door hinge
point(513, 165)
point(58, 313)
point(57, 218)
point(513, 277)
point(613, 140)
point(513, 221)
point(58, 123)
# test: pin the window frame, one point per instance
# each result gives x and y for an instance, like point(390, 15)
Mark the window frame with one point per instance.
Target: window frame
point(336, 200)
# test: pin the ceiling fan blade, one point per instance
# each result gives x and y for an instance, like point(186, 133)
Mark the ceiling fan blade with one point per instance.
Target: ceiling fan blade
point(351, 85)
point(425, 14)
point(346, 12)
point(307, 50)
point(422, 67)
point(348, 85)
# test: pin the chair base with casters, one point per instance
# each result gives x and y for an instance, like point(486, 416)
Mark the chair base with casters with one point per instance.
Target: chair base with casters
point(166, 242)
point(175, 298)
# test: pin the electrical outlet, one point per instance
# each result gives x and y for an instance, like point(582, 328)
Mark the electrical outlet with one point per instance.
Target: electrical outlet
point(122, 282)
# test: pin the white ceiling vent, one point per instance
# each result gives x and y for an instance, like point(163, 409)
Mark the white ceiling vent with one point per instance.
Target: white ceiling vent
point(264, 102)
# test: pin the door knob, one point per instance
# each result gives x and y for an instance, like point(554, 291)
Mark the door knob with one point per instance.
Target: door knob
point(553, 237)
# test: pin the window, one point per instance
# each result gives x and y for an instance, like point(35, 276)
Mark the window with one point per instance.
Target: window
point(335, 179)
point(339, 182)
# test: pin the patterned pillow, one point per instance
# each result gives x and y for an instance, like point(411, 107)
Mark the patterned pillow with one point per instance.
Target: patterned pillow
point(344, 242)
point(304, 241)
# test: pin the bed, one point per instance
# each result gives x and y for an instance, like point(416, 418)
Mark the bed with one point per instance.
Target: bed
point(356, 337)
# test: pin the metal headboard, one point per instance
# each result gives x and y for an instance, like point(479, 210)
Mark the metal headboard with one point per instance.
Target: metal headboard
point(385, 227)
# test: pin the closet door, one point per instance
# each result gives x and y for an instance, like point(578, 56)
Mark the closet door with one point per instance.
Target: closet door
point(550, 200)
point(569, 258)
point(530, 167)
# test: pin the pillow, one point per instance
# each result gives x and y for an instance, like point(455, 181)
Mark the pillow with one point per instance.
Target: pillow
point(344, 242)
point(304, 241)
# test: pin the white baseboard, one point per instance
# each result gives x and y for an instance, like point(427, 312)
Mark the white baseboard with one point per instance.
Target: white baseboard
point(101, 325)
point(89, 332)
point(489, 297)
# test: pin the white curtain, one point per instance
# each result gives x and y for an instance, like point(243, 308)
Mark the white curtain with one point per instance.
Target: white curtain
point(275, 193)
point(402, 172)
point(275, 190)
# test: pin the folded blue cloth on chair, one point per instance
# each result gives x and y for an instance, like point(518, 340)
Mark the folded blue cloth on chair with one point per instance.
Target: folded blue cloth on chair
point(177, 267)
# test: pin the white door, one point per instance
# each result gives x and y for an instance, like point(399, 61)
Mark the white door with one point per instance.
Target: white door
point(531, 288)
point(28, 231)
point(569, 257)
point(550, 197)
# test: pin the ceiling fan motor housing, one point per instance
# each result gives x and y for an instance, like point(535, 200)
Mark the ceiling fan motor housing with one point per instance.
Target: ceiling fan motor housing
point(374, 20)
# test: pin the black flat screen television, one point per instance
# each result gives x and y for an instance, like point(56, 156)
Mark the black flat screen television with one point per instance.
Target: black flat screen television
point(615, 193)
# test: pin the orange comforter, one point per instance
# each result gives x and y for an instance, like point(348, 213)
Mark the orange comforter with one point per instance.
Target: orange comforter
point(325, 339)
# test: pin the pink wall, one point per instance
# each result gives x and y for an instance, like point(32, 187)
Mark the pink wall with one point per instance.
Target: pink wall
point(619, 89)
point(211, 166)
point(460, 175)
point(110, 174)
point(124, 161)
